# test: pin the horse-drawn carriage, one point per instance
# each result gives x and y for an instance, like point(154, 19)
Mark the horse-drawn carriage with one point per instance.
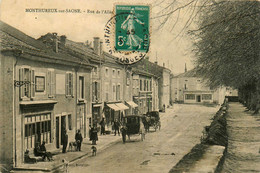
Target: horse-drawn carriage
point(152, 119)
point(133, 125)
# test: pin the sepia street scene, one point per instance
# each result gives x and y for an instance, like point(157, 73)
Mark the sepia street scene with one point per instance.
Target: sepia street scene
point(122, 86)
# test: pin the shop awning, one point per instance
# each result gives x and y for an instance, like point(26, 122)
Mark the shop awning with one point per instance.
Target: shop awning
point(132, 104)
point(113, 106)
point(122, 106)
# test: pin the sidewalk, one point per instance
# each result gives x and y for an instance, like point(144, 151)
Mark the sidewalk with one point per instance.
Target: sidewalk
point(243, 129)
point(103, 142)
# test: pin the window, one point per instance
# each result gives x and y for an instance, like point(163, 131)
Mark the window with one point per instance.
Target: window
point(37, 128)
point(118, 73)
point(106, 91)
point(127, 78)
point(106, 72)
point(81, 87)
point(118, 92)
point(147, 85)
point(141, 85)
point(51, 78)
point(95, 91)
point(185, 86)
point(144, 85)
point(206, 96)
point(39, 83)
point(190, 96)
point(114, 92)
point(27, 90)
point(70, 122)
point(95, 70)
point(69, 84)
point(150, 85)
point(114, 73)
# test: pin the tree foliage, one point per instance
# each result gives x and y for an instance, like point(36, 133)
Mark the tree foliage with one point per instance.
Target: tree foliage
point(227, 43)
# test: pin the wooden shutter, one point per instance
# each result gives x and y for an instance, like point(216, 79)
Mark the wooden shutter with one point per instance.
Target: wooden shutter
point(72, 84)
point(21, 78)
point(32, 86)
point(53, 83)
point(49, 83)
point(66, 84)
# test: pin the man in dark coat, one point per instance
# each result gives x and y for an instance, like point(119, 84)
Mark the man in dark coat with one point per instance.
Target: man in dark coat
point(102, 124)
point(78, 138)
point(65, 142)
point(124, 131)
point(116, 127)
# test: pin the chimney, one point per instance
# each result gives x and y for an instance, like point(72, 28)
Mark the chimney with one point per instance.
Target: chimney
point(63, 40)
point(185, 68)
point(155, 62)
point(101, 47)
point(163, 64)
point(55, 39)
point(96, 45)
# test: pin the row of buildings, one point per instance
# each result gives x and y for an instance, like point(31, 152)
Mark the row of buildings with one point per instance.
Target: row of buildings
point(52, 84)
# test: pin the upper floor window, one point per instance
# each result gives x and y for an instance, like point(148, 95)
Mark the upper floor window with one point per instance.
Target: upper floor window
point(144, 85)
point(118, 92)
point(118, 73)
point(185, 86)
point(114, 91)
point(69, 84)
point(141, 85)
point(106, 71)
point(95, 70)
point(127, 78)
point(81, 87)
point(95, 91)
point(150, 85)
point(26, 74)
point(114, 73)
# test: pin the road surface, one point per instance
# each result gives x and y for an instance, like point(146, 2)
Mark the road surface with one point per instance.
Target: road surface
point(181, 130)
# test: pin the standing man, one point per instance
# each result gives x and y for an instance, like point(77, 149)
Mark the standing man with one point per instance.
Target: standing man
point(102, 124)
point(78, 138)
point(116, 127)
point(65, 142)
point(123, 131)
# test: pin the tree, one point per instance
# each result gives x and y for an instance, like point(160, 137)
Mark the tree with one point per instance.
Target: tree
point(227, 46)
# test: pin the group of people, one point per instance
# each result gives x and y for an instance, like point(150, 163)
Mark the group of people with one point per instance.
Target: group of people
point(78, 140)
point(40, 150)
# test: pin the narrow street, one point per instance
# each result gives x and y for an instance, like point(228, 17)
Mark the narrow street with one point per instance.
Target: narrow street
point(181, 130)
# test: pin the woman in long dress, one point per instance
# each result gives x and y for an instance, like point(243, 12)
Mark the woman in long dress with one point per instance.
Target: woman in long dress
point(129, 25)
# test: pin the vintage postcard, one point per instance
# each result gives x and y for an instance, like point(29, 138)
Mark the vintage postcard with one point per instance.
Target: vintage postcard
point(123, 86)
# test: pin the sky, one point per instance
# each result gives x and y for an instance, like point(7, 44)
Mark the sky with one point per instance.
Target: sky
point(84, 26)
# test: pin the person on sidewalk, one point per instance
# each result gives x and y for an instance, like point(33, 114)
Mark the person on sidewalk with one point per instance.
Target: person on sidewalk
point(116, 127)
point(41, 151)
point(102, 124)
point(94, 135)
point(78, 138)
point(123, 131)
point(65, 142)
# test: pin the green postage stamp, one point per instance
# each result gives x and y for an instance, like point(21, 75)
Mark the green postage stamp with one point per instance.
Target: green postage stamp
point(132, 28)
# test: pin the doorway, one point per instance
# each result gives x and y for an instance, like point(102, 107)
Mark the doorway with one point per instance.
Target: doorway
point(63, 128)
point(57, 132)
point(198, 98)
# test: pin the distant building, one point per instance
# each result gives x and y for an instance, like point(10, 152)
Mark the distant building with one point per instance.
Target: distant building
point(188, 88)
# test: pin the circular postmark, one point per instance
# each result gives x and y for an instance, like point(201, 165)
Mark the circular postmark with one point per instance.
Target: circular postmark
point(127, 36)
